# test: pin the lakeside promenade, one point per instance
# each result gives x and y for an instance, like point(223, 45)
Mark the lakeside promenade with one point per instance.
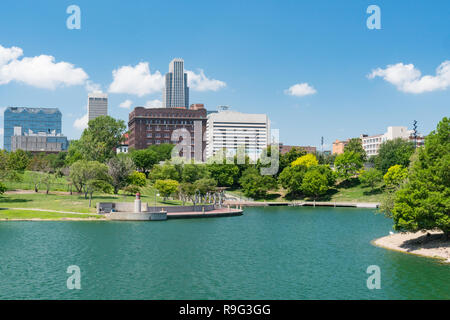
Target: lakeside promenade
point(247, 203)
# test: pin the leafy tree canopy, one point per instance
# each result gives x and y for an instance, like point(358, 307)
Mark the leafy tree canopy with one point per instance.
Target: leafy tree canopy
point(99, 140)
point(355, 145)
point(307, 160)
point(392, 152)
point(423, 202)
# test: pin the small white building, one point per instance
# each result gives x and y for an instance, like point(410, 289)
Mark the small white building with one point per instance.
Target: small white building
point(371, 144)
point(232, 130)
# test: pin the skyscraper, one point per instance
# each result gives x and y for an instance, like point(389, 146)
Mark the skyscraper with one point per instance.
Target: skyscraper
point(176, 91)
point(97, 105)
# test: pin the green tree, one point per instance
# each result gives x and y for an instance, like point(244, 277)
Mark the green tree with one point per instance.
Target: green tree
point(119, 168)
point(226, 175)
point(18, 160)
point(314, 183)
point(74, 153)
point(166, 187)
point(137, 178)
point(186, 191)
point(370, 178)
point(395, 176)
point(307, 160)
point(145, 159)
point(97, 185)
point(205, 186)
point(355, 145)
point(348, 164)
point(2, 188)
point(47, 180)
point(193, 172)
point(290, 156)
point(82, 171)
point(291, 179)
point(392, 152)
point(254, 185)
point(164, 172)
point(99, 140)
point(163, 150)
point(423, 202)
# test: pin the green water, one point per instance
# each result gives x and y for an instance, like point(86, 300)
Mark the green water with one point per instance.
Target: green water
point(269, 253)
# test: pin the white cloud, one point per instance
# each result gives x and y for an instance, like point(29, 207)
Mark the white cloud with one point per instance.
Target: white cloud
point(200, 82)
point(153, 104)
point(126, 104)
point(93, 87)
point(81, 123)
point(8, 54)
point(408, 79)
point(136, 80)
point(300, 90)
point(40, 71)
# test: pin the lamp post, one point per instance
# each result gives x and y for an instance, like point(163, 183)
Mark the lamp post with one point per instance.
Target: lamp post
point(156, 194)
point(197, 191)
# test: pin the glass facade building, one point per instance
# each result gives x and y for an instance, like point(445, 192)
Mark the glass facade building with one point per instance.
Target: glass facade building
point(31, 122)
point(176, 91)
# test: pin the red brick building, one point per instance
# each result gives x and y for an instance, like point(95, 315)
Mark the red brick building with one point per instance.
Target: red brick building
point(285, 149)
point(149, 126)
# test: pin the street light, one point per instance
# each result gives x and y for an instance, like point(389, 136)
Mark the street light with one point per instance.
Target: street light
point(196, 196)
point(156, 194)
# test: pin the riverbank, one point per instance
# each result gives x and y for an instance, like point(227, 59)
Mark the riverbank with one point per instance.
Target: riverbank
point(335, 204)
point(427, 244)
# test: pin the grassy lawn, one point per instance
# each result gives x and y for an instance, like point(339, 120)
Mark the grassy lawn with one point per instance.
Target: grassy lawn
point(25, 214)
point(76, 202)
point(29, 178)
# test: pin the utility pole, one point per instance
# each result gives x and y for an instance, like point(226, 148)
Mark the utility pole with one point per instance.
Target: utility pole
point(321, 143)
point(415, 133)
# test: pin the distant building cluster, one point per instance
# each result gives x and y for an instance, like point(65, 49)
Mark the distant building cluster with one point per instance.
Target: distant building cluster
point(371, 144)
point(197, 131)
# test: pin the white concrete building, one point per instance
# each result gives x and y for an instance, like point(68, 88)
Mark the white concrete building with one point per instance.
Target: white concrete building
point(231, 130)
point(97, 105)
point(371, 144)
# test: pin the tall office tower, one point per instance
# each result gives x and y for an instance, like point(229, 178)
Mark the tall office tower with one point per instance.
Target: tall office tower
point(176, 91)
point(97, 105)
point(33, 129)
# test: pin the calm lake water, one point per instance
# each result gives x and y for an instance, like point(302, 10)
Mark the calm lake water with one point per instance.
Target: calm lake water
point(269, 253)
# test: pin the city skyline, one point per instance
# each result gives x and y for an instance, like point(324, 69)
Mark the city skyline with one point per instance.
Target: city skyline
point(337, 83)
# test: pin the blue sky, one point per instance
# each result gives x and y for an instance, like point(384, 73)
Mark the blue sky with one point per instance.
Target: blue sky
point(251, 53)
